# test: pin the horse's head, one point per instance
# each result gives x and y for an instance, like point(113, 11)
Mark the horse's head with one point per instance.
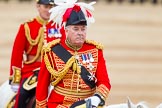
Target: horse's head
point(141, 105)
point(138, 105)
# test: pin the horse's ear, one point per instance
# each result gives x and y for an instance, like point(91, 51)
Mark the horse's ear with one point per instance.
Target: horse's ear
point(129, 103)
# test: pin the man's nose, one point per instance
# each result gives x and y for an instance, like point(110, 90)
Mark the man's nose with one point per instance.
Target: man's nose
point(80, 31)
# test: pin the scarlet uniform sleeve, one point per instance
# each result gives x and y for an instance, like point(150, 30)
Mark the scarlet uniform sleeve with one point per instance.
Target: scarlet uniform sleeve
point(17, 51)
point(103, 82)
point(42, 86)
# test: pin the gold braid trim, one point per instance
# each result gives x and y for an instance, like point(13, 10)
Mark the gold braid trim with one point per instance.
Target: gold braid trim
point(28, 36)
point(37, 54)
point(97, 44)
point(41, 21)
point(103, 91)
point(11, 102)
point(41, 104)
point(47, 47)
point(16, 75)
point(58, 74)
point(38, 41)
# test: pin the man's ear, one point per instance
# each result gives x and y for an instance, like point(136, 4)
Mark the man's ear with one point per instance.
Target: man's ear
point(66, 30)
point(37, 5)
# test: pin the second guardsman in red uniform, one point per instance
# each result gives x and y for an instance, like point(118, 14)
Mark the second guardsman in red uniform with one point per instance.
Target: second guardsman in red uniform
point(25, 58)
point(76, 68)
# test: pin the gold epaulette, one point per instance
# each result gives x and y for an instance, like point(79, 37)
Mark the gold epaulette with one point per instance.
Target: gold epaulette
point(29, 20)
point(97, 44)
point(47, 47)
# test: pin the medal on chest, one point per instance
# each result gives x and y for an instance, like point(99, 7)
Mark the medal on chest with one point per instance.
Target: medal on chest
point(53, 32)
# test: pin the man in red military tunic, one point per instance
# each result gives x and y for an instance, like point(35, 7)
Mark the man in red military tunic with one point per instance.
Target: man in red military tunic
point(25, 58)
point(76, 68)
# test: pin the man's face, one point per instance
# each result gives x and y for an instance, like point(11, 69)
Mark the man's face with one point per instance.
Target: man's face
point(76, 34)
point(44, 11)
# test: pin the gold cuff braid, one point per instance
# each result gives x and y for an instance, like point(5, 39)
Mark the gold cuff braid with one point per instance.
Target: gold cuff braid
point(41, 104)
point(103, 91)
point(16, 75)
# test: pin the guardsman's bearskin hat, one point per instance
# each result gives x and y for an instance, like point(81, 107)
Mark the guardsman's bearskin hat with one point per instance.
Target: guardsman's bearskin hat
point(69, 12)
point(46, 2)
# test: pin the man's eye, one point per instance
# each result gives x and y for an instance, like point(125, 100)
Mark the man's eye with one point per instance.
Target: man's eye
point(83, 29)
point(76, 29)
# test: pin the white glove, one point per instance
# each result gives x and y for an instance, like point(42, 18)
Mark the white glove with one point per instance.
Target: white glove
point(14, 87)
point(95, 101)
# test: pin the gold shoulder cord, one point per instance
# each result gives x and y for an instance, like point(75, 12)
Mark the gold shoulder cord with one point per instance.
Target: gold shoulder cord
point(58, 75)
point(38, 41)
point(47, 47)
point(97, 44)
